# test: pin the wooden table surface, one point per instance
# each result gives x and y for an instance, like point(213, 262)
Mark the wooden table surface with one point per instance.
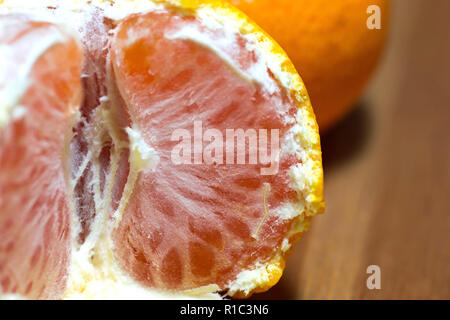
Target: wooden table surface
point(387, 176)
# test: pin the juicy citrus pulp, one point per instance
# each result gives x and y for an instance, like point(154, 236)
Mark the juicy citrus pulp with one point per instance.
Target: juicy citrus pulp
point(149, 69)
point(43, 69)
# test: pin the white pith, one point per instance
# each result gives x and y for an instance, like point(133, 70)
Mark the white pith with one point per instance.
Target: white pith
point(94, 274)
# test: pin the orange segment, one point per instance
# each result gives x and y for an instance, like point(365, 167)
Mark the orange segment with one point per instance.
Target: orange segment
point(34, 216)
point(192, 225)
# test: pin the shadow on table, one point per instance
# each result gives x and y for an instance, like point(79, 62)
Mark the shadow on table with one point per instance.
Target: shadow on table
point(278, 292)
point(347, 140)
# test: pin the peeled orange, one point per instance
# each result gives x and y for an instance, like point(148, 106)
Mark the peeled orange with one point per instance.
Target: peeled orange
point(329, 43)
point(140, 187)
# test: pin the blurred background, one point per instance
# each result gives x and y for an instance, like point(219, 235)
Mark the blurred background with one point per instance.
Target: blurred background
point(387, 176)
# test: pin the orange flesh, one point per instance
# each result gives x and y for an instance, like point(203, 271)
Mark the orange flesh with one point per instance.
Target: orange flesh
point(34, 217)
point(187, 226)
point(184, 226)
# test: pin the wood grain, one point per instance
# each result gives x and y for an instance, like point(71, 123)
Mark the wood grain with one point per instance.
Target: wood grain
point(387, 176)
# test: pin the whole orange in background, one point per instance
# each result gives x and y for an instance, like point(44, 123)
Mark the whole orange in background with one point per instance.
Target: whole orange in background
point(329, 43)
